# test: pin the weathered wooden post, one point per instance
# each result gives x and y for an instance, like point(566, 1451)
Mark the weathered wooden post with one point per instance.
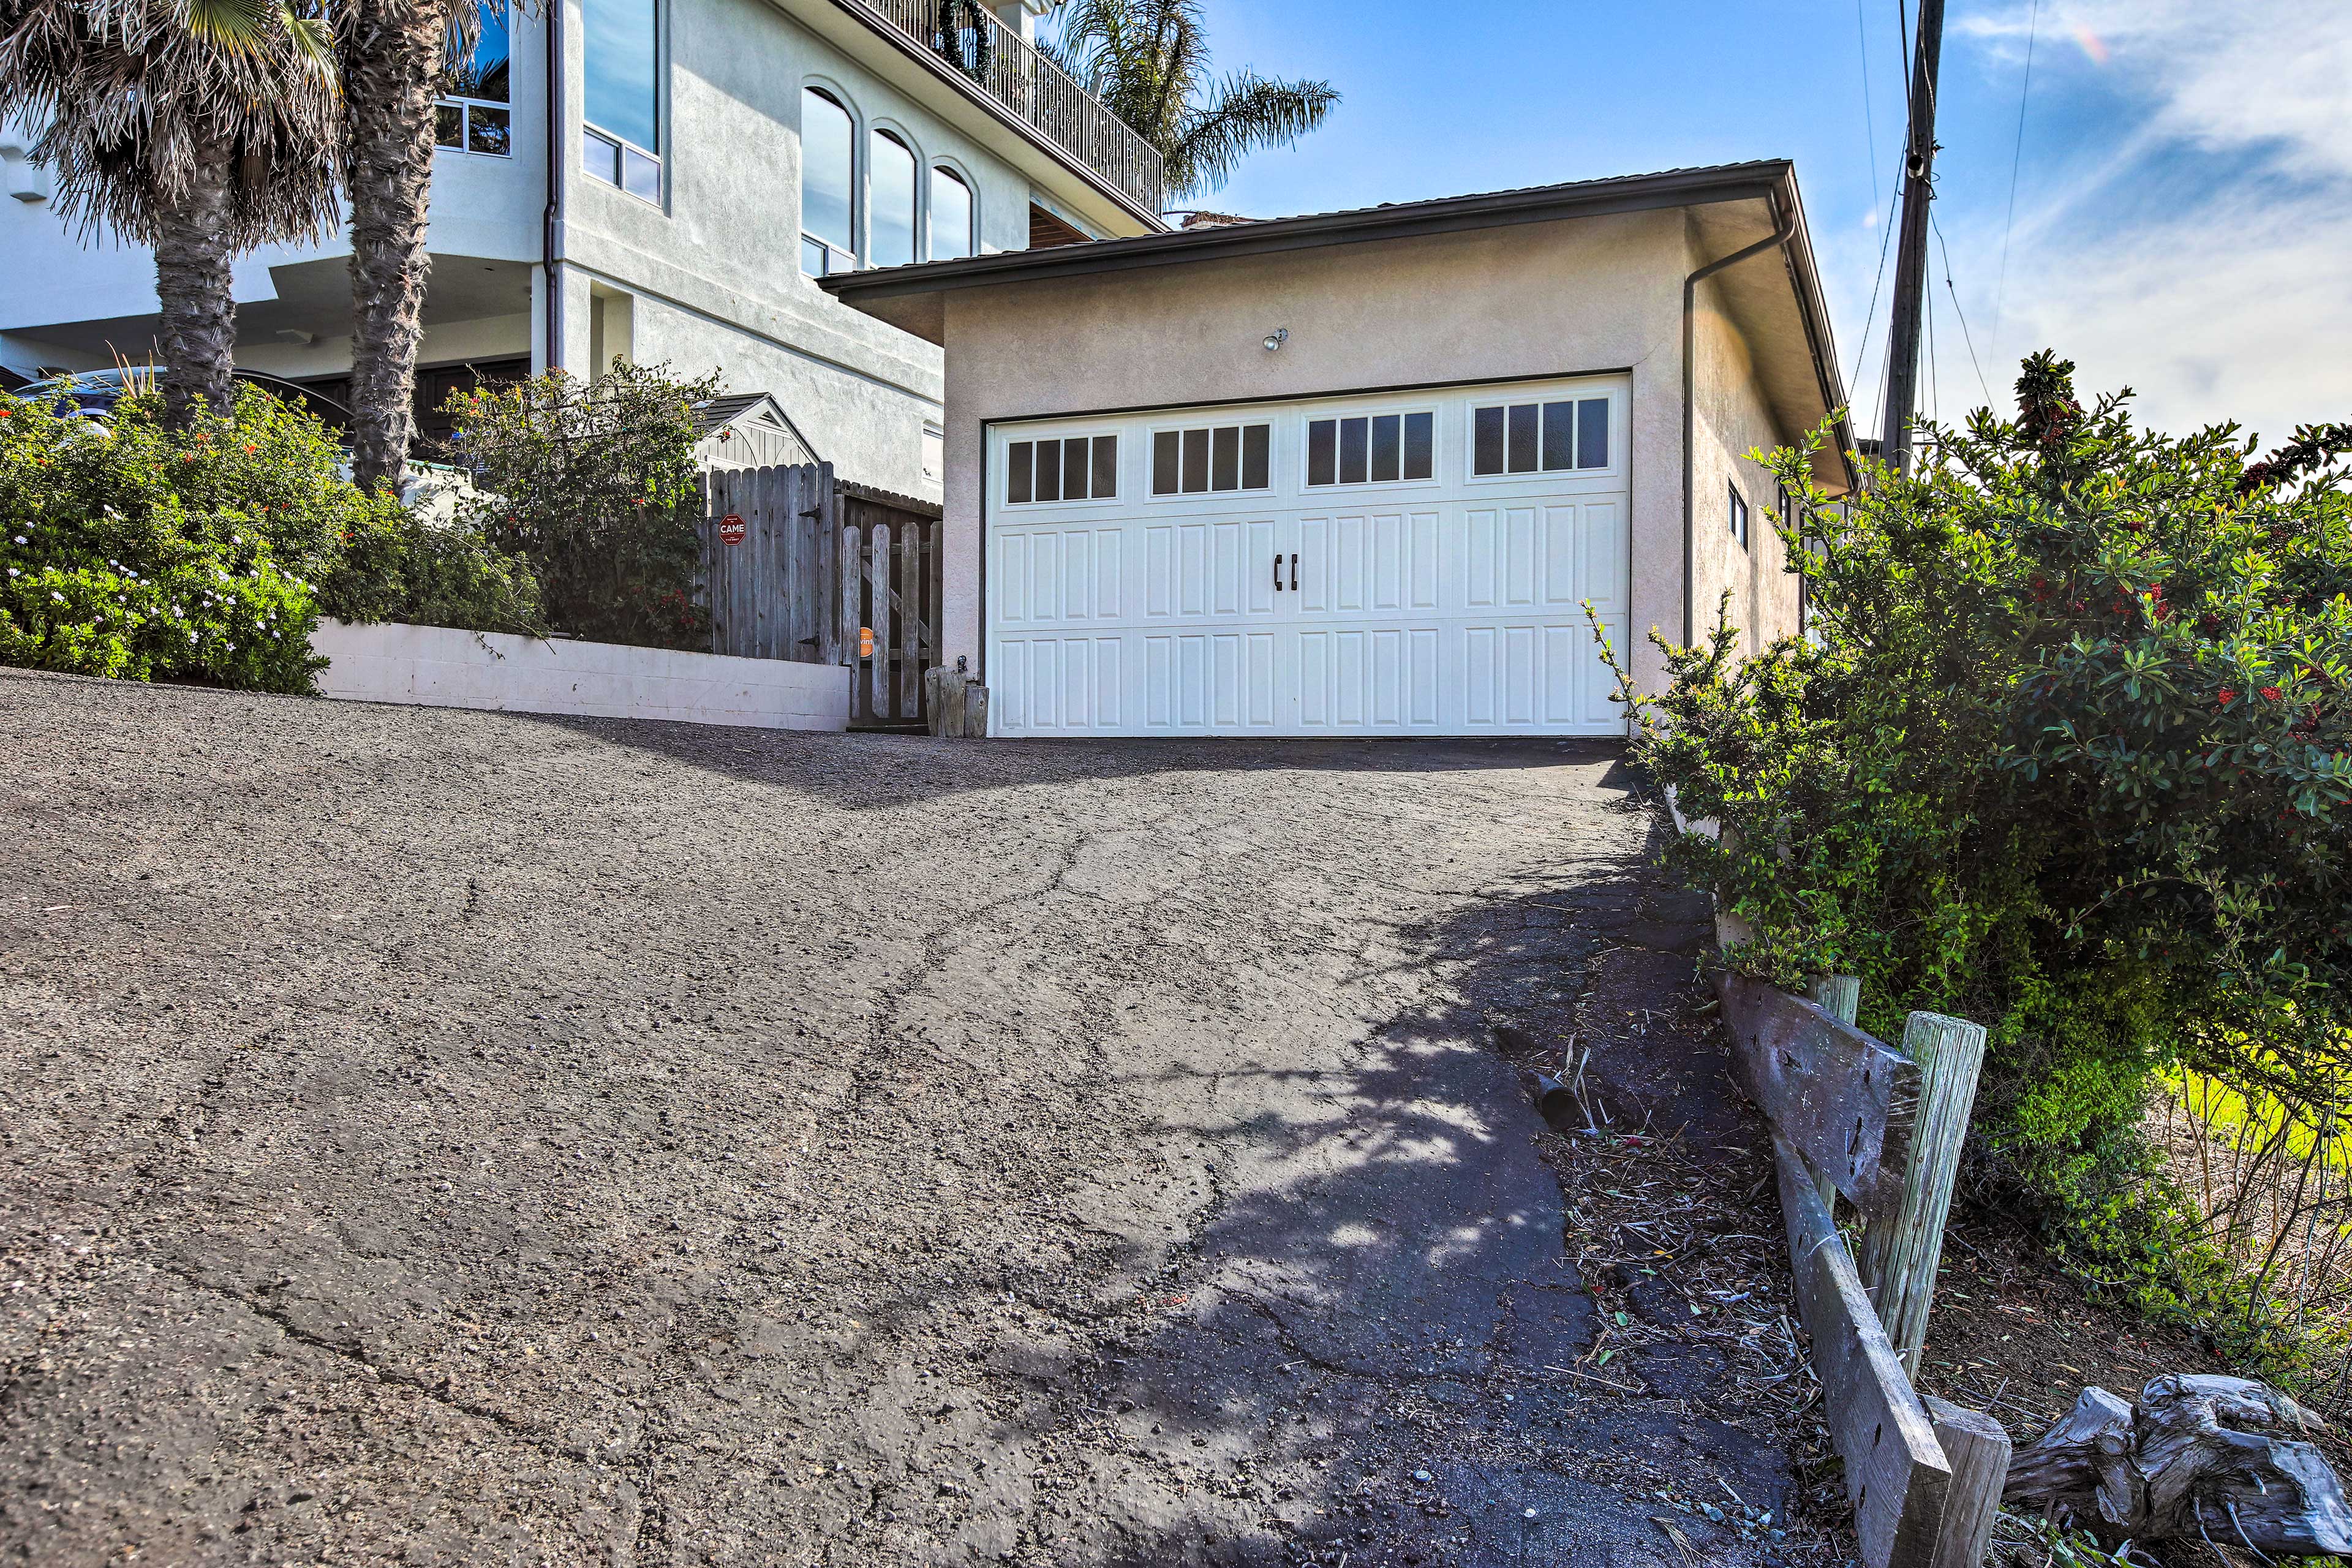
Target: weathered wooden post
point(1977, 1446)
point(1839, 995)
point(1899, 1256)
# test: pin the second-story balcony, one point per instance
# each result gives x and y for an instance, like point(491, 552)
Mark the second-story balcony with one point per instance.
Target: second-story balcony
point(1040, 93)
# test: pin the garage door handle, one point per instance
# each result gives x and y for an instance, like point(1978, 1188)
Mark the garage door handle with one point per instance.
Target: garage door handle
point(1294, 571)
point(1277, 570)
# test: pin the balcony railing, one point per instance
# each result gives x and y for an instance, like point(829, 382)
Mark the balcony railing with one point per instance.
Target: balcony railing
point(1040, 92)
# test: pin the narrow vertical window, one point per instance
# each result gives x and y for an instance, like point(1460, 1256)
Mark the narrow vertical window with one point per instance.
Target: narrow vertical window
point(1163, 462)
point(890, 175)
point(1018, 459)
point(1225, 457)
point(828, 159)
point(952, 229)
point(1522, 438)
point(1486, 441)
point(1256, 440)
point(1559, 435)
point(1049, 470)
point(1323, 452)
point(473, 115)
point(1353, 443)
point(1738, 517)
point(1420, 446)
point(1106, 466)
point(1387, 446)
point(1592, 432)
point(620, 94)
point(1196, 461)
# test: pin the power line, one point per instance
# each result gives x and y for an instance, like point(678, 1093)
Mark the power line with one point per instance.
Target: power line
point(1963, 315)
point(1869, 120)
point(2016, 155)
point(1870, 317)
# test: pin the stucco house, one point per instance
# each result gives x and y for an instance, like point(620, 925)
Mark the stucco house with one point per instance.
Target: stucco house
point(1359, 473)
point(711, 158)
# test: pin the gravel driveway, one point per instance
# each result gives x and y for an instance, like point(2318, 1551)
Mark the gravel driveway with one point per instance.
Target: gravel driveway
point(439, 1137)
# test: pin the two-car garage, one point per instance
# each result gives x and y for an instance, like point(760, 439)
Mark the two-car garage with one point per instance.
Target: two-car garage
point(1410, 563)
point(1360, 473)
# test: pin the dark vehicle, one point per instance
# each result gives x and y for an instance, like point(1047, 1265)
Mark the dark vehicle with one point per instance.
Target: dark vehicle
point(92, 395)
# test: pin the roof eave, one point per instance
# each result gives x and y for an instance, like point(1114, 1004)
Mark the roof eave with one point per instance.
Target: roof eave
point(1595, 198)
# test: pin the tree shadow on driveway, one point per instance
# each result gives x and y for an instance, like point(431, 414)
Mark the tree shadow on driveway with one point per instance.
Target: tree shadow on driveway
point(1369, 1350)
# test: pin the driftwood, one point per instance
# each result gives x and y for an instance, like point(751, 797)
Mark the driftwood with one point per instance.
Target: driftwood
point(2194, 1459)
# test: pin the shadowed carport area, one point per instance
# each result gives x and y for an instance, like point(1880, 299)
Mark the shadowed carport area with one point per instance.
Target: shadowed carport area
point(463, 1138)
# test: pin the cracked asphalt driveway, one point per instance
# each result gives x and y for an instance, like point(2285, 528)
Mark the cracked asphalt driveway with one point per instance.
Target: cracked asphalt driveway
point(442, 1137)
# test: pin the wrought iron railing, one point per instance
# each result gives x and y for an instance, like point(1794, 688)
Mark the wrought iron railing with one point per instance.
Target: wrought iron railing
point(1038, 91)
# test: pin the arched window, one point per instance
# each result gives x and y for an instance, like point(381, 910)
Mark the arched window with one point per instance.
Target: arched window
point(951, 235)
point(890, 179)
point(828, 232)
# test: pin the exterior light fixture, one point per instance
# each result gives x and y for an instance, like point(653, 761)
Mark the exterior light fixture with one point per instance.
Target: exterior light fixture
point(1277, 338)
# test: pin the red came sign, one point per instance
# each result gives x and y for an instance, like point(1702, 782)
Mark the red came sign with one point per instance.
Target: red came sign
point(730, 528)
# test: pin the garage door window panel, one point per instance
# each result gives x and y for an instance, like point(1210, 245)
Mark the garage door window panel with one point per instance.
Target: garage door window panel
point(1557, 437)
point(1067, 469)
point(1370, 449)
point(1211, 460)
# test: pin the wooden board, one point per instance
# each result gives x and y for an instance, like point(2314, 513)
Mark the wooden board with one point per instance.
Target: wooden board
point(1977, 1446)
point(1843, 1098)
point(1896, 1473)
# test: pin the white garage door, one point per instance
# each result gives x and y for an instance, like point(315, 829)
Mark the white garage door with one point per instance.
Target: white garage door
point(1406, 564)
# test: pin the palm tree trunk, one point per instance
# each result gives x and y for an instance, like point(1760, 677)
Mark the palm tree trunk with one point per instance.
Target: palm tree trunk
point(392, 61)
point(193, 250)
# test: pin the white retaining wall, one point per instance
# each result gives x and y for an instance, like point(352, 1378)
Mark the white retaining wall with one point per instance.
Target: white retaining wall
point(434, 667)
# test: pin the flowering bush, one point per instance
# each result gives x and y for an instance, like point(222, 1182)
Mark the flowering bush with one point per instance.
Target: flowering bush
point(208, 555)
point(596, 487)
point(140, 553)
point(2066, 751)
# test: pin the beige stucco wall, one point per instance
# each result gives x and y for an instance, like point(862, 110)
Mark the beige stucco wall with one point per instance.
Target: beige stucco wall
point(1730, 420)
point(1520, 302)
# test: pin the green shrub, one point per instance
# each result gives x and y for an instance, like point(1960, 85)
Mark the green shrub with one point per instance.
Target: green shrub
point(2065, 752)
point(404, 567)
point(595, 485)
point(208, 555)
point(137, 552)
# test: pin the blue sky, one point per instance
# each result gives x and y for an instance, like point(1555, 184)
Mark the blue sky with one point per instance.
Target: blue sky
point(2183, 200)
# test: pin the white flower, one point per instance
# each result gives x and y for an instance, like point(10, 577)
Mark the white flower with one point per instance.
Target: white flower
point(13, 573)
point(22, 540)
point(60, 598)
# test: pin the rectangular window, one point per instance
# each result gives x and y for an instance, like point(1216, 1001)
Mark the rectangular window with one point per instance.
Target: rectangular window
point(1222, 458)
point(1388, 442)
point(1076, 468)
point(1540, 437)
point(1323, 452)
point(473, 115)
point(1738, 517)
point(1370, 449)
point(620, 94)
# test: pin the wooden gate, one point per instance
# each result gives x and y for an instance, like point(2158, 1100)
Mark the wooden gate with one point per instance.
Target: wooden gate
point(798, 564)
point(890, 586)
point(771, 590)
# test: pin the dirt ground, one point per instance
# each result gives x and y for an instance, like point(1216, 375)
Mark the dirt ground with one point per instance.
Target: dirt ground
point(446, 1138)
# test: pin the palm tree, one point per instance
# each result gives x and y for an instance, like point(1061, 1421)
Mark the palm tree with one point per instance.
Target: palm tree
point(396, 57)
point(203, 128)
point(1148, 60)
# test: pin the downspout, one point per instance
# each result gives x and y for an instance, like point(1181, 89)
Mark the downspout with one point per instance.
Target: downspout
point(1784, 230)
point(550, 239)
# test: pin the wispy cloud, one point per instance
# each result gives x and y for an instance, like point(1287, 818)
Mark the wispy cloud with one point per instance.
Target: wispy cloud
point(2190, 232)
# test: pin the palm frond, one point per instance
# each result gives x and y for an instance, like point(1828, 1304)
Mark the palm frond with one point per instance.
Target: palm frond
point(238, 28)
point(1246, 112)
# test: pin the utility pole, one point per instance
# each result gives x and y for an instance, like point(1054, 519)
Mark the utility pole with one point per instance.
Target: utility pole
point(1911, 258)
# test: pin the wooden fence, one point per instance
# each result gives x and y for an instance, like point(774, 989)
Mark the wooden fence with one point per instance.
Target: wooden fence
point(798, 564)
point(1881, 1127)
